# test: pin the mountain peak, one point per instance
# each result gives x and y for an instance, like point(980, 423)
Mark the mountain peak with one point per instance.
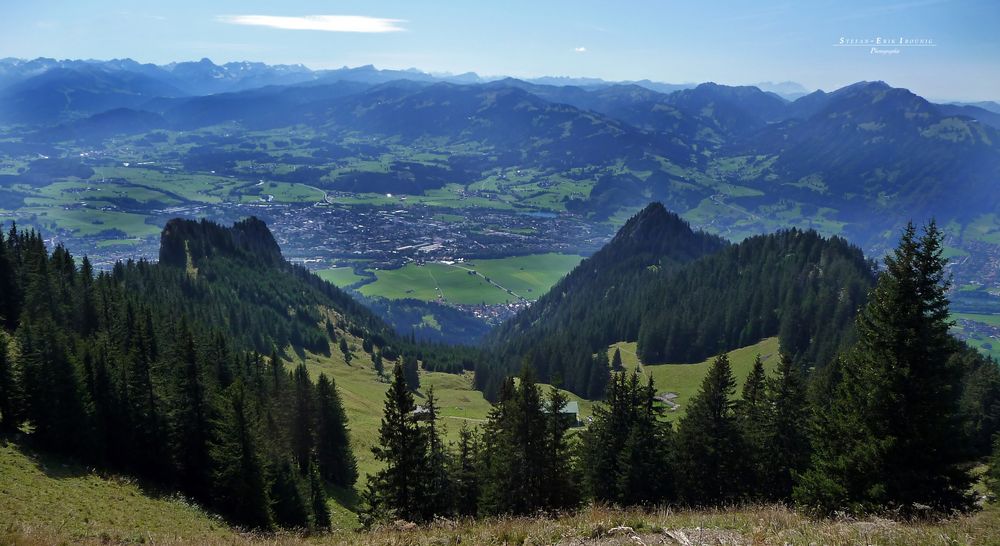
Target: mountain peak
point(189, 241)
point(652, 221)
point(655, 233)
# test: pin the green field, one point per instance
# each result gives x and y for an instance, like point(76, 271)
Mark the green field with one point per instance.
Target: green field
point(528, 276)
point(987, 345)
point(466, 282)
point(284, 192)
point(685, 379)
point(87, 221)
point(196, 187)
point(992, 320)
point(339, 276)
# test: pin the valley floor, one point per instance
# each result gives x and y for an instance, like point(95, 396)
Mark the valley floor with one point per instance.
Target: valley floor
point(44, 500)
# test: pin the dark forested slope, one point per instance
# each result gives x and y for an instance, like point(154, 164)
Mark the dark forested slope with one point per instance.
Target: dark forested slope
point(685, 296)
point(159, 369)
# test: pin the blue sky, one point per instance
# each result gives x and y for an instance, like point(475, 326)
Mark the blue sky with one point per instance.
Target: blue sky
point(731, 42)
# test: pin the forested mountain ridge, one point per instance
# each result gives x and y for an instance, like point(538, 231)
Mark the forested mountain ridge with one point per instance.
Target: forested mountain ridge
point(873, 143)
point(152, 371)
point(236, 280)
point(686, 301)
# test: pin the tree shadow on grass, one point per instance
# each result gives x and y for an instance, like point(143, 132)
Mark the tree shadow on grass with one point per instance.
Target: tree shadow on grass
point(50, 464)
point(58, 466)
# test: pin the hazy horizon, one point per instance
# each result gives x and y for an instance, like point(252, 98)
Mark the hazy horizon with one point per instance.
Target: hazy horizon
point(948, 48)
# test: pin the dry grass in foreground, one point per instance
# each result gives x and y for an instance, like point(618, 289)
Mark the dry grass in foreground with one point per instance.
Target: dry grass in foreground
point(597, 525)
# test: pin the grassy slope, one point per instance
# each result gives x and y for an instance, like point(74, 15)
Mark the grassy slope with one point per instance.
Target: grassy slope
point(46, 502)
point(685, 379)
point(363, 394)
point(57, 496)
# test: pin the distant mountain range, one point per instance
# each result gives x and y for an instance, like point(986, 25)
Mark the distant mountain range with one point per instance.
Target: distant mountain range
point(864, 157)
point(204, 77)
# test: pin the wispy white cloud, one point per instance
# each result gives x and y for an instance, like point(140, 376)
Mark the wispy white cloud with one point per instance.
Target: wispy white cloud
point(327, 23)
point(580, 49)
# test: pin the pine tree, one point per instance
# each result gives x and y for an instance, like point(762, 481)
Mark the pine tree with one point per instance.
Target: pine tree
point(86, 311)
point(334, 458)
point(980, 400)
point(277, 369)
point(597, 383)
point(393, 491)
point(616, 361)
point(190, 415)
point(148, 448)
point(465, 472)
point(8, 283)
point(626, 449)
point(411, 373)
point(240, 487)
point(604, 439)
point(303, 419)
point(317, 497)
point(787, 441)
point(434, 487)
point(51, 388)
point(708, 441)
point(889, 440)
point(559, 483)
point(377, 364)
point(345, 350)
point(515, 450)
point(8, 387)
point(646, 475)
point(753, 412)
point(287, 501)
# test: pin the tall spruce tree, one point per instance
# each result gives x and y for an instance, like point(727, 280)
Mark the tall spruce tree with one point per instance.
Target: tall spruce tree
point(515, 450)
point(626, 450)
point(559, 481)
point(240, 486)
point(465, 472)
point(410, 372)
point(709, 450)
point(393, 492)
point(645, 470)
point(303, 419)
point(317, 499)
point(787, 445)
point(8, 387)
point(616, 361)
point(753, 412)
point(190, 417)
point(290, 505)
point(148, 448)
point(334, 458)
point(891, 439)
point(435, 491)
point(51, 387)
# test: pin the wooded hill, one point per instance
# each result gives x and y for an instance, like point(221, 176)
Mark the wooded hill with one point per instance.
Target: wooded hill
point(684, 296)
